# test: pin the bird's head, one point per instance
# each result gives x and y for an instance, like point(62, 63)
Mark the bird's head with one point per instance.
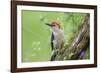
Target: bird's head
point(54, 24)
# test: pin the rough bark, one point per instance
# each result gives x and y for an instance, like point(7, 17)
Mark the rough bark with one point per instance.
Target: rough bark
point(77, 49)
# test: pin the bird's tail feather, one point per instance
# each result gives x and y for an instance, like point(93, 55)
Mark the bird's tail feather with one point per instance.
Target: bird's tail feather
point(54, 55)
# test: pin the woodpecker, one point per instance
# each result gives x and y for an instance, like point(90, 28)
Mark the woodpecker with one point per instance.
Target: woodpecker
point(57, 38)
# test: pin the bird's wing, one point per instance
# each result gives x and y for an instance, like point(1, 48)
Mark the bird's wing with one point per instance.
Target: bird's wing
point(52, 38)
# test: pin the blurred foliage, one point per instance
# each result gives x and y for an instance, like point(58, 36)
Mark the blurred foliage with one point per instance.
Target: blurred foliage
point(36, 35)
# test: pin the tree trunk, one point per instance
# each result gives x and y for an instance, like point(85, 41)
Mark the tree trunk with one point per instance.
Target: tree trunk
point(77, 49)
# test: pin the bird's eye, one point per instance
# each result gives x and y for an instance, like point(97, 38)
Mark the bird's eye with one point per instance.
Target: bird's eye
point(53, 25)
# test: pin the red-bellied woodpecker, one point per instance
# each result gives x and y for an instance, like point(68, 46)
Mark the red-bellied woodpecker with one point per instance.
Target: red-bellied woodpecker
point(57, 38)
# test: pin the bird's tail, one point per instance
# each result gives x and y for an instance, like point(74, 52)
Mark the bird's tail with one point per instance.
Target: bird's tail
point(54, 54)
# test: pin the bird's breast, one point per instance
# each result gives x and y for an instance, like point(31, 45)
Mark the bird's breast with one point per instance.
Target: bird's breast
point(58, 37)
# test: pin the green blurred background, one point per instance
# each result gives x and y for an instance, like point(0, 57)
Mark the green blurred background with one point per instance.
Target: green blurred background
point(36, 35)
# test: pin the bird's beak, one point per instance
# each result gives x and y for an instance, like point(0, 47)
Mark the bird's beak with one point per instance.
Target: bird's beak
point(48, 24)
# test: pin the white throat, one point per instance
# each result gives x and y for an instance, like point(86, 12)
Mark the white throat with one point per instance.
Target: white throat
point(55, 29)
